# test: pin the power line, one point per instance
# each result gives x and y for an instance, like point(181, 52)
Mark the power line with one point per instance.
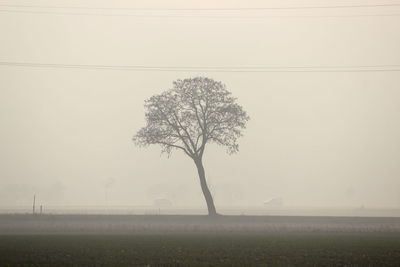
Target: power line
point(360, 68)
point(204, 9)
point(197, 16)
point(145, 15)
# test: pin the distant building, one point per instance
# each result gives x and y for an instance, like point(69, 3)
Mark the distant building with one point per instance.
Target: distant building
point(274, 202)
point(162, 203)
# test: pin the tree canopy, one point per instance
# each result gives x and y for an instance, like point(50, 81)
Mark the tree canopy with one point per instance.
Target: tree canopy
point(194, 112)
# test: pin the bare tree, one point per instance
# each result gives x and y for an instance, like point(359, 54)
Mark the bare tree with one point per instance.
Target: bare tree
point(195, 112)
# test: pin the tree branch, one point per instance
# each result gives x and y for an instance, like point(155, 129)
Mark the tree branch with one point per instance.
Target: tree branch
point(185, 130)
point(176, 128)
point(176, 146)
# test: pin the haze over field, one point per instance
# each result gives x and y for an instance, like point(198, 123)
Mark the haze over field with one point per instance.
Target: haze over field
point(320, 139)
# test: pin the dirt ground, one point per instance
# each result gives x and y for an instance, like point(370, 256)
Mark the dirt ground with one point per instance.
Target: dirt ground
point(163, 240)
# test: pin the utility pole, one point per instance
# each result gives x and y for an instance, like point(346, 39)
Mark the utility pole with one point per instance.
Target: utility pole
point(34, 203)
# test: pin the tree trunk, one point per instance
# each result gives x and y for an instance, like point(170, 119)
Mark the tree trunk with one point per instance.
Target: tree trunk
point(206, 192)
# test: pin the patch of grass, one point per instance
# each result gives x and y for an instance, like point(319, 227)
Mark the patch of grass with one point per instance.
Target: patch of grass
point(201, 250)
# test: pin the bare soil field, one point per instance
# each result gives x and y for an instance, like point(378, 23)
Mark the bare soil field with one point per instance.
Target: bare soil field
point(160, 240)
point(164, 224)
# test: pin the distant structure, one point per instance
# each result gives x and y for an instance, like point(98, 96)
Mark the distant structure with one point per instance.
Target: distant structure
point(162, 203)
point(274, 202)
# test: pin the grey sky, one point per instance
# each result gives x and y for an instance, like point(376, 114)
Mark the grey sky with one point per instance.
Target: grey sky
point(314, 139)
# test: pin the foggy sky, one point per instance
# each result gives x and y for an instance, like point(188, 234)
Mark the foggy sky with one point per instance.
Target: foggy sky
point(314, 139)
